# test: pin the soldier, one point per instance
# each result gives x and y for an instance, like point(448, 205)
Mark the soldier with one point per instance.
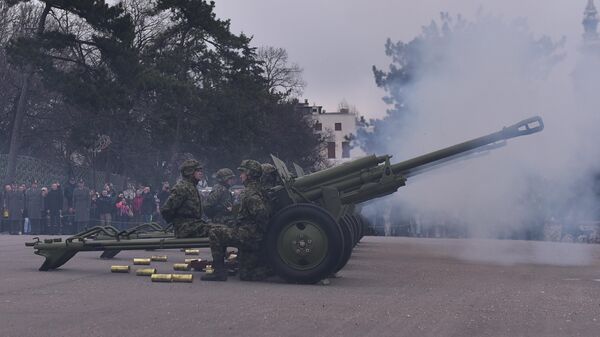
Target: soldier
point(247, 234)
point(35, 207)
point(183, 208)
point(82, 202)
point(219, 202)
point(269, 176)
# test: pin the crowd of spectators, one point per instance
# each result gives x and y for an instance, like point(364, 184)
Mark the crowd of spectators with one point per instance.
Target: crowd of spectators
point(73, 207)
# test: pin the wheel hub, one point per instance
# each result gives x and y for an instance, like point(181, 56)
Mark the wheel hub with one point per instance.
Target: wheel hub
point(302, 245)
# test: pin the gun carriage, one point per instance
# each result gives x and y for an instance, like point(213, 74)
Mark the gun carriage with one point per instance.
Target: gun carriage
point(314, 226)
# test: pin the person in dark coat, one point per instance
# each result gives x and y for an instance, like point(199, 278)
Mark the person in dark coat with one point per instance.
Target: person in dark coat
point(15, 204)
point(4, 222)
point(54, 205)
point(69, 190)
point(2, 211)
point(94, 215)
point(45, 217)
point(35, 207)
point(68, 219)
point(162, 196)
point(148, 205)
point(81, 204)
point(105, 207)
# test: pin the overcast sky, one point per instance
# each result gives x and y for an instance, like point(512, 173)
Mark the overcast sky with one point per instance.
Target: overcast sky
point(337, 42)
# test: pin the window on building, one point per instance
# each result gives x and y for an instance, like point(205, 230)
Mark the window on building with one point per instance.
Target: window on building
point(331, 150)
point(345, 149)
point(338, 126)
point(318, 126)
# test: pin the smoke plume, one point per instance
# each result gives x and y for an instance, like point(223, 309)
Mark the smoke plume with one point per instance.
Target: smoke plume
point(487, 74)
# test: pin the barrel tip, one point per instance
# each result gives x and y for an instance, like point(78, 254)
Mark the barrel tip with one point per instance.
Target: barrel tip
point(525, 127)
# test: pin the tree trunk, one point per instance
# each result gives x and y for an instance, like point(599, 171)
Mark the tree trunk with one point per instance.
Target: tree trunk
point(107, 168)
point(177, 137)
point(15, 137)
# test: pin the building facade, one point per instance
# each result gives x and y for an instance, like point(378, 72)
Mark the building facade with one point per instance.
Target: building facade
point(339, 127)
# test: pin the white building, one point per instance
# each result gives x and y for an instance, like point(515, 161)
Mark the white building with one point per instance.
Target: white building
point(341, 125)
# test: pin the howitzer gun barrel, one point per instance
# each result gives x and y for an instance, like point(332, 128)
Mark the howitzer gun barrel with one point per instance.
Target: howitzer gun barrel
point(337, 171)
point(523, 128)
point(364, 184)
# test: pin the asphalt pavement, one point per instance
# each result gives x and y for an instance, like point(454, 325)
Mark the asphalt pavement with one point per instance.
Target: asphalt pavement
point(390, 287)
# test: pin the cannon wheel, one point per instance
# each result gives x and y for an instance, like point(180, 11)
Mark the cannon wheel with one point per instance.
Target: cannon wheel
point(362, 227)
point(354, 226)
point(304, 243)
point(346, 226)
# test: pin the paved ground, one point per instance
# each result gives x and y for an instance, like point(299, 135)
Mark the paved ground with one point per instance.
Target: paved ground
point(391, 287)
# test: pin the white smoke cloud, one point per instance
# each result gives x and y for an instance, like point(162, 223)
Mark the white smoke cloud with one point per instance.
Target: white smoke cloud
point(490, 75)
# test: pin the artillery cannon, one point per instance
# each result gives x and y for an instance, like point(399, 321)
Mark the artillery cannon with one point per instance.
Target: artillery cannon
point(313, 228)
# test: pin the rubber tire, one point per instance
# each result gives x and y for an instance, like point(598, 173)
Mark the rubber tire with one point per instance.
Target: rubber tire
point(346, 227)
point(362, 227)
point(355, 231)
point(316, 215)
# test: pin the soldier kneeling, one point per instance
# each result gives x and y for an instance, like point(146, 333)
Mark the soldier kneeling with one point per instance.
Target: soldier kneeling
point(247, 233)
point(183, 208)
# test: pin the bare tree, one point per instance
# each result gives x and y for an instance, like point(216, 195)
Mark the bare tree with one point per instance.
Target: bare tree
point(148, 24)
point(282, 77)
point(15, 138)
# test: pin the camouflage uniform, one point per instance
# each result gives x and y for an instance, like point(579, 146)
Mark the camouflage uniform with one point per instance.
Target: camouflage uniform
point(269, 176)
point(220, 201)
point(183, 208)
point(248, 232)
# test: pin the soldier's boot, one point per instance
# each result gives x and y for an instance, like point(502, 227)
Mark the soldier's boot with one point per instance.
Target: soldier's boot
point(219, 272)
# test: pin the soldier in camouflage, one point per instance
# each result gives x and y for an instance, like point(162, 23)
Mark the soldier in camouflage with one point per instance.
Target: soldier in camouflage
point(183, 208)
point(269, 176)
point(219, 203)
point(248, 232)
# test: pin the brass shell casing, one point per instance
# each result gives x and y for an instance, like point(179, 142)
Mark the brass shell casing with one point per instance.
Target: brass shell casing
point(119, 269)
point(192, 252)
point(181, 266)
point(145, 272)
point(159, 258)
point(141, 261)
point(191, 260)
point(185, 278)
point(161, 277)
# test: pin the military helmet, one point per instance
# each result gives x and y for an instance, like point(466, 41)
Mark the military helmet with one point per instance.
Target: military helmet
point(267, 168)
point(189, 166)
point(251, 167)
point(224, 174)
